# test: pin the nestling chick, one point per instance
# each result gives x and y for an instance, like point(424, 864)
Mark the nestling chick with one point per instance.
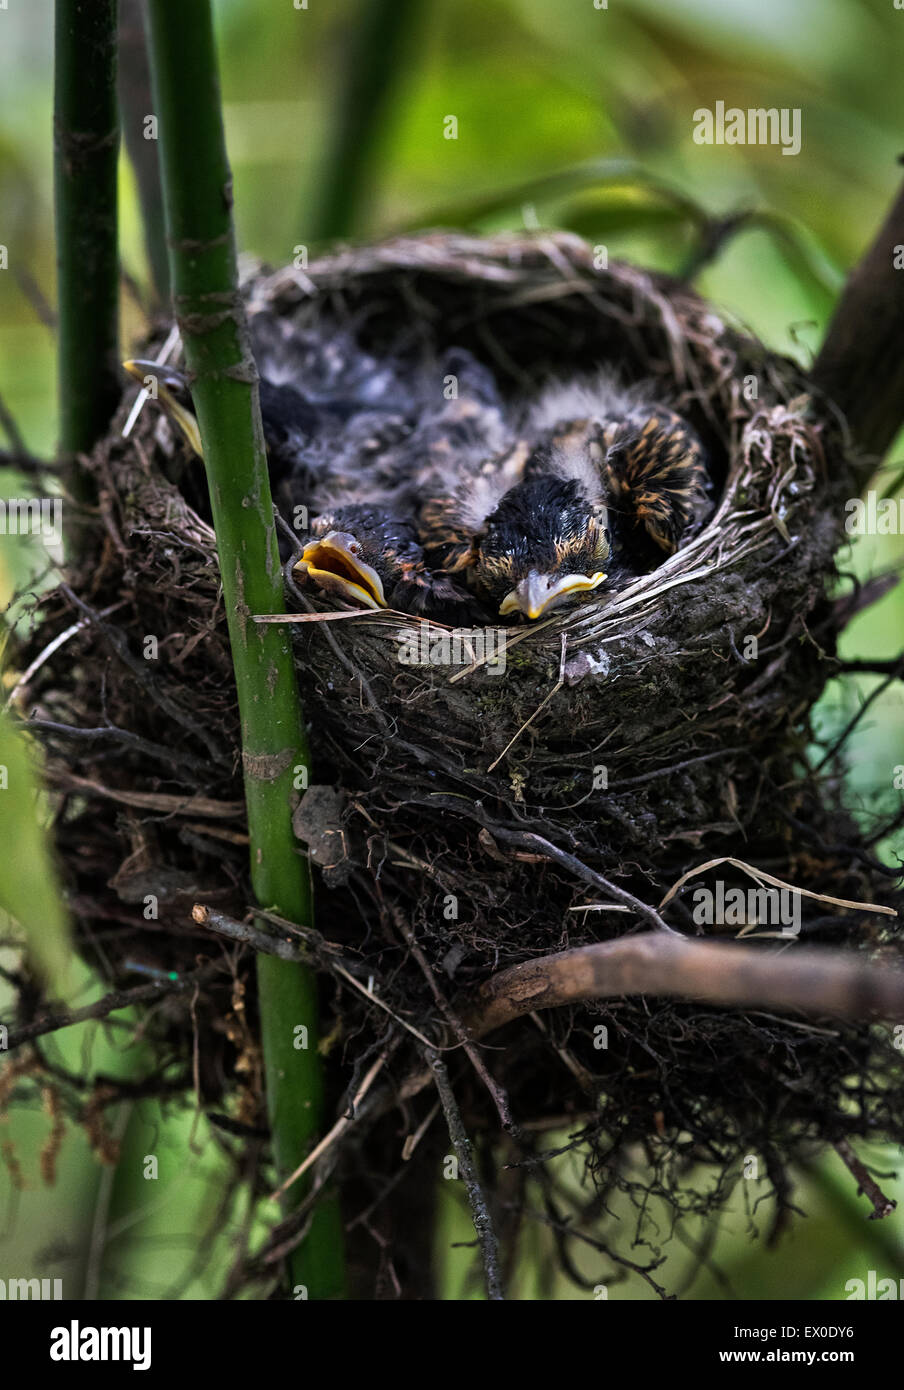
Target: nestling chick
point(347, 449)
point(463, 508)
point(600, 482)
point(370, 557)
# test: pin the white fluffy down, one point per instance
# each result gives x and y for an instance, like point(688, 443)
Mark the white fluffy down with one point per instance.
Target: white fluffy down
point(602, 396)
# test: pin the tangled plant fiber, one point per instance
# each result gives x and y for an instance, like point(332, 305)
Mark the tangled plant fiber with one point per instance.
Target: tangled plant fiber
point(468, 821)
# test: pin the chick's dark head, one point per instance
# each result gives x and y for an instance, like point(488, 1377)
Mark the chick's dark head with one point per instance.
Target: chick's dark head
point(545, 544)
point(360, 553)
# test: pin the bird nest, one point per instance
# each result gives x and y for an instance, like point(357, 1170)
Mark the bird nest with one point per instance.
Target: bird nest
point(483, 801)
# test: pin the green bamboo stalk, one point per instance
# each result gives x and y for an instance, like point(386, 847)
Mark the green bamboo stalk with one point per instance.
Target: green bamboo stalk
point(86, 145)
point(379, 42)
point(197, 191)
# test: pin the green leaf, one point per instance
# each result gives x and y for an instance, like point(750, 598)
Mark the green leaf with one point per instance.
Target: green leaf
point(29, 892)
point(592, 174)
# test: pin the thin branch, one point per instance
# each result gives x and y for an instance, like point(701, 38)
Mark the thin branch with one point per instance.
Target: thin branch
point(245, 933)
point(10, 427)
point(164, 802)
point(325, 952)
point(882, 1206)
point(342, 1124)
point(536, 844)
point(875, 694)
point(499, 1097)
point(861, 363)
point(109, 1004)
point(480, 1212)
point(893, 667)
point(813, 981)
point(109, 733)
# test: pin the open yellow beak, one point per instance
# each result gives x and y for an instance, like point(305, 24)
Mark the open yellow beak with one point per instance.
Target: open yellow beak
point(539, 593)
point(334, 563)
point(158, 381)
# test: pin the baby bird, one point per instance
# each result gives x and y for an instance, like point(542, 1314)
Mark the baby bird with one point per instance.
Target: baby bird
point(600, 482)
point(432, 495)
point(371, 557)
point(346, 451)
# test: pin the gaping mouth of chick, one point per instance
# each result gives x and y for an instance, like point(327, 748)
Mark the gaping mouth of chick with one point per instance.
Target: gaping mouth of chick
point(334, 563)
point(163, 379)
point(537, 594)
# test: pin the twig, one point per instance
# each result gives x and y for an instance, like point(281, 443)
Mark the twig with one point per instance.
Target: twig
point(813, 981)
point(894, 667)
point(281, 619)
point(861, 363)
point(338, 1129)
point(537, 845)
point(882, 1205)
point(110, 733)
point(525, 839)
point(288, 950)
point(245, 933)
point(480, 1213)
point(622, 784)
point(852, 723)
point(497, 1093)
point(110, 1003)
point(412, 1140)
point(60, 640)
point(149, 801)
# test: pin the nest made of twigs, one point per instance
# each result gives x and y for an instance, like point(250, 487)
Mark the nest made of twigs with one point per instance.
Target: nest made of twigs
point(638, 736)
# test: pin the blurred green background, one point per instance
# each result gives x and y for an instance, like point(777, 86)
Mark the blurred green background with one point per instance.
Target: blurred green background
point(547, 98)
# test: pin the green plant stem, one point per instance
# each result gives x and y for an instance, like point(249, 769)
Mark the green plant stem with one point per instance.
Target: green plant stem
point(86, 145)
point(197, 189)
point(380, 39)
